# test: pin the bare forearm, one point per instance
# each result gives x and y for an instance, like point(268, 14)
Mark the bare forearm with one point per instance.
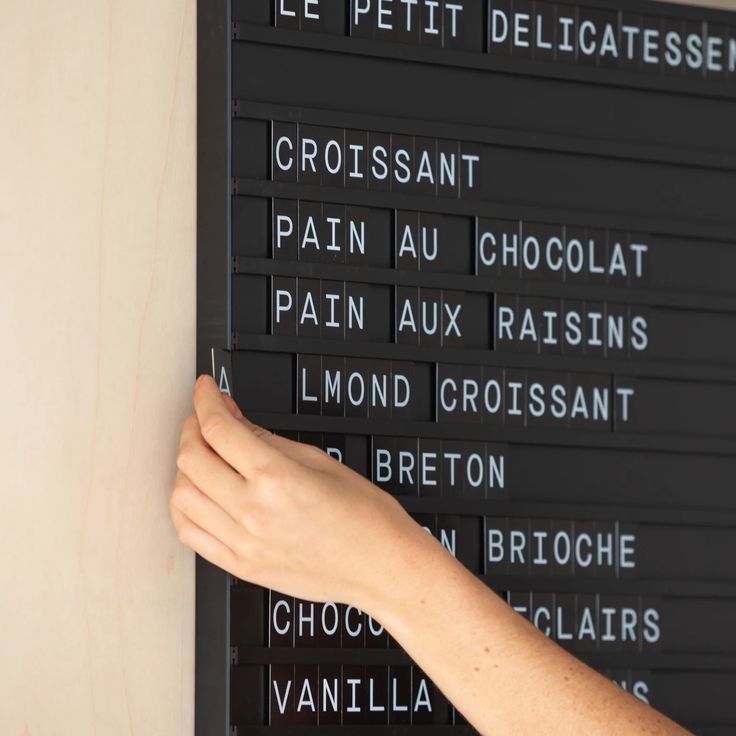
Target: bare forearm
point(493, 665)
point(252, 503)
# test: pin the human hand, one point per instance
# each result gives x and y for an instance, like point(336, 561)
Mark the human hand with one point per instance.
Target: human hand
point(283, 514)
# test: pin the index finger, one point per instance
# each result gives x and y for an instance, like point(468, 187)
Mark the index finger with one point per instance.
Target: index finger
point(230, 438)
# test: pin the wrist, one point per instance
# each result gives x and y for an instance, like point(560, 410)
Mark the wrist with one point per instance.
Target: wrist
point(411, 561)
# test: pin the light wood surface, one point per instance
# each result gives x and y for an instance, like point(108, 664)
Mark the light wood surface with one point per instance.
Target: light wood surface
point(97, 312)
point(97, 327)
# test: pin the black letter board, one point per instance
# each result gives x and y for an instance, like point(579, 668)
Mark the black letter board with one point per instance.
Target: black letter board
point(483, 252)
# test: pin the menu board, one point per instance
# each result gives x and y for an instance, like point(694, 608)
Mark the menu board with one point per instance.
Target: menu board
point(484, 253)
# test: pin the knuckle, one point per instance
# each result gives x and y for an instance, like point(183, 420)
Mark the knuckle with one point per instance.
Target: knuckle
point(213, 427)
point(243, 519)
point(186, 458)
point(317, 452)
point(268, 472)
point(255, 522)
point(248, 520)
point(183, 533)
point(244, 549)
point(260, 432)
point(182, 498)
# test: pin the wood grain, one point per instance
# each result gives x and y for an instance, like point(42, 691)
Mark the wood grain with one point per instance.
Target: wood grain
point(97, 324)
point(97, 320)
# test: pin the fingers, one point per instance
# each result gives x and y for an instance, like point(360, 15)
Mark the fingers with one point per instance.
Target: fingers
point(203, 543)
point(298, 451)
point(230, 438)
point(308, 455)
point(209, 472)
point(204, 512)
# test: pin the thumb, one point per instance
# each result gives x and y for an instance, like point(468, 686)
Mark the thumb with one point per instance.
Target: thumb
point(234, 409)
point(232, 406)
point(295, 450)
